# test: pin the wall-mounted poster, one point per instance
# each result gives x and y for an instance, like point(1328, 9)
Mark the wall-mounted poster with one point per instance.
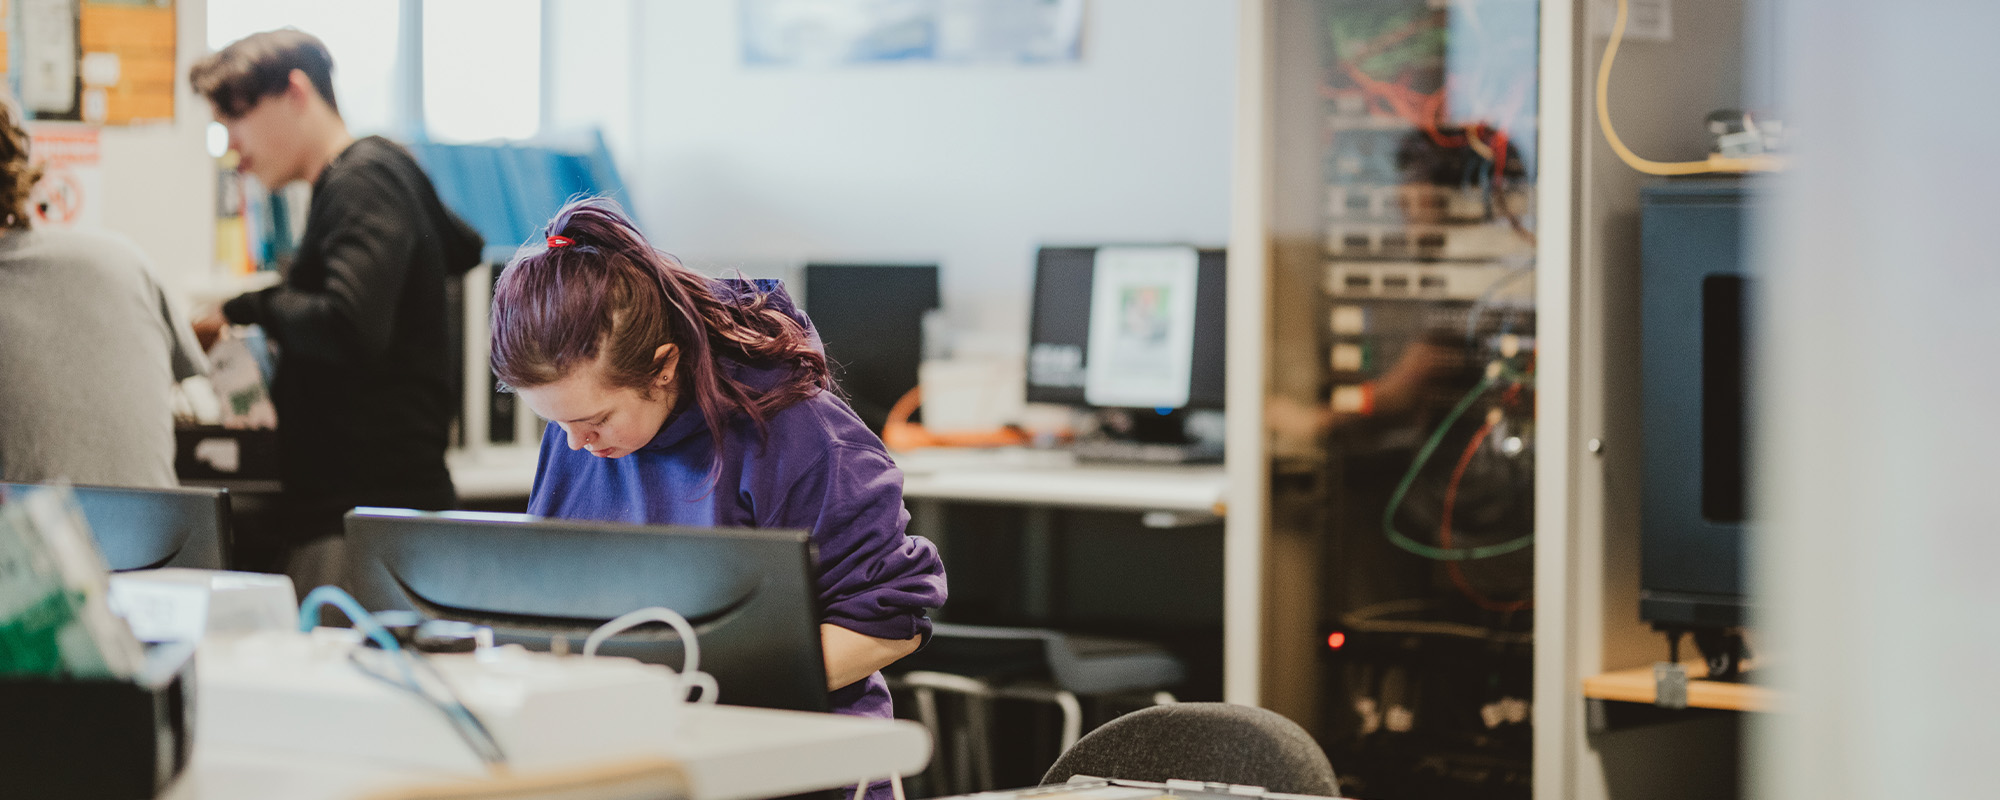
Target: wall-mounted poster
point(100, 61)
point(834, 32)
point(48, 60)
point(71, 192)
point(127, 60)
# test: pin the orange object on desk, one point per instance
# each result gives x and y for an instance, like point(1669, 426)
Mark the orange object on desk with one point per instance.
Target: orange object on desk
point(899, 433)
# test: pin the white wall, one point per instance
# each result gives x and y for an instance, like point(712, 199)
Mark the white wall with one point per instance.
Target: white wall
point(159, 183)
point(969, 166)
point(1877, 427)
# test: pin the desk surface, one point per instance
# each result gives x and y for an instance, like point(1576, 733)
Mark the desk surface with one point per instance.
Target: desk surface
point(1636, 686)
point(1053, 478)
point(729, 753)
point(1006, 475)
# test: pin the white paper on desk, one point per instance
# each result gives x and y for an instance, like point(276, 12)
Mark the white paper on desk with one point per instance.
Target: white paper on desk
point(160, 611)
point(1141, 327)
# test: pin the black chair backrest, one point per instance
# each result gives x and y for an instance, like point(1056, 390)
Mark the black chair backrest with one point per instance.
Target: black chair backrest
point(1213, 742)
point(748, 593)
point(154, 528)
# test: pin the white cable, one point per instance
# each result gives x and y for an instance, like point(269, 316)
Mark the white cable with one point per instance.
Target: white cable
point(690, 661)
point(691, 651)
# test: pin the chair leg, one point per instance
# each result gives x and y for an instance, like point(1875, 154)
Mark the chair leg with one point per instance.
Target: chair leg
point(927, 714)
point(979, 728)
point(1072, 711)
point(965, 747)
point(971, 767)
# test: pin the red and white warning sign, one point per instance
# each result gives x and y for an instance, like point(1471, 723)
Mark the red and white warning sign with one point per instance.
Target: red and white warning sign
point(70, 194)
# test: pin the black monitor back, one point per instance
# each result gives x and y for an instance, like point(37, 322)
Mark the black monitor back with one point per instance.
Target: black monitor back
point(1060, 318)
point(155, 528)
point(750, 594)
point(871, 319)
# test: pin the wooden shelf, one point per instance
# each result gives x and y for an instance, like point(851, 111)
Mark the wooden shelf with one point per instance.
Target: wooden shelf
point(1636, 686)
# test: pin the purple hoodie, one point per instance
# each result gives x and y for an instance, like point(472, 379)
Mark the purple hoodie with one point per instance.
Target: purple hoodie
point(821, 471)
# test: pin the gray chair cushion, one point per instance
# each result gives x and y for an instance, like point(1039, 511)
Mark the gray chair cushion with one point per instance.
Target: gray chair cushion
point(1216, 742)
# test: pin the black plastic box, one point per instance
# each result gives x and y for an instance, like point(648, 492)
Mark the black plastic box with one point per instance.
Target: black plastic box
point(102, 740)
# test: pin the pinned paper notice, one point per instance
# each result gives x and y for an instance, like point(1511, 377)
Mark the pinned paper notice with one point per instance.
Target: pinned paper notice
point(100, 69)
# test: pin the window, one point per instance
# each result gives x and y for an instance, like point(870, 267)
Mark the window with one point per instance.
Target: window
point(481, 71)
point(361, 34)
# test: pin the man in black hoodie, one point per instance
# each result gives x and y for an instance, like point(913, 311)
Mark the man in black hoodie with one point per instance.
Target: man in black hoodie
point(366, 385)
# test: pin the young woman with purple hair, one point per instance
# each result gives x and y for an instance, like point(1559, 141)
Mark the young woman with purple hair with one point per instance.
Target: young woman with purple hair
point(682, 399)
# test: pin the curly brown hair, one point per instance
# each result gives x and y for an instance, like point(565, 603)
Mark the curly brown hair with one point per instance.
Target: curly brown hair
point(18, 174)
point(260, 65)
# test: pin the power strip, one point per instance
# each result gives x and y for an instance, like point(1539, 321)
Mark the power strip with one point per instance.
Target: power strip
point(288, 690)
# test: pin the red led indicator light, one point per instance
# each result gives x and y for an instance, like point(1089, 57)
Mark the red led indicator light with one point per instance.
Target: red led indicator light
point(1336, 640)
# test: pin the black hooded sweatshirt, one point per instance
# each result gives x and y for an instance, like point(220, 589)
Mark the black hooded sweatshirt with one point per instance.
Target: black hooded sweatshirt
point(367, 377)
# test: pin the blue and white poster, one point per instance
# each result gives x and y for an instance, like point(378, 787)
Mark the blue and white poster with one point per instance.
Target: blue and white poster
point(814, 33)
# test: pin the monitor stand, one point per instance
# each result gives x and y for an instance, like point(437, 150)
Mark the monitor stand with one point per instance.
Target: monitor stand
point(1144, 436)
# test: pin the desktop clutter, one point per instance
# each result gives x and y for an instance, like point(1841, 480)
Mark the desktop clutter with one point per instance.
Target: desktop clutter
point(101, 690)
point(1124, 361)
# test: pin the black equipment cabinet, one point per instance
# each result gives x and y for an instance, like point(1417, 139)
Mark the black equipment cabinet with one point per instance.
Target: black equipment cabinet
point(1696, 310)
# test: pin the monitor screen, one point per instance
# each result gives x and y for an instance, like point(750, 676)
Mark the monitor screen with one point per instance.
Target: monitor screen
point(154, 528)
point(1127, 327)
point(871, 319)
point(749, 594)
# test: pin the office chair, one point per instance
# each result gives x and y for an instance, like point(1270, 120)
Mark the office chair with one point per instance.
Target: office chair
point(982, 663)
point(1212, 742)
point(154, 528)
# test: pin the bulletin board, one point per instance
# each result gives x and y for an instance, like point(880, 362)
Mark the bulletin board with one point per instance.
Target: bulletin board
point(97, 61)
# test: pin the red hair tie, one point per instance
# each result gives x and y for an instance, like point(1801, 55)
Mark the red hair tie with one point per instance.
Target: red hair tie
point(560, 241)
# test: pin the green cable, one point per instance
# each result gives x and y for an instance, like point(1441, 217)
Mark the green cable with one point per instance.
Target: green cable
point(1424, 456)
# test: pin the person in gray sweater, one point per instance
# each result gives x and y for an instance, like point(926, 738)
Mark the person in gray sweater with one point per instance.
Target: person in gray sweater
point(90, 347)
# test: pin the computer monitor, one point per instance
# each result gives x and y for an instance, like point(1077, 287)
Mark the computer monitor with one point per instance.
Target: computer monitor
point(154, 528)
point(750, 594)
point(1127, 327)
point(871, 319)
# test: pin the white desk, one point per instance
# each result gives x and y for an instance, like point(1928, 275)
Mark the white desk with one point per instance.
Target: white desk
point(1041, 481)
point(1005, 475)
point(729, 753)
point(1054, 478)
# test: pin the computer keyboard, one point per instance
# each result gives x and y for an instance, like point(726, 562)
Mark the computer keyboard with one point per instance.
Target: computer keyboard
point(1118, 451)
